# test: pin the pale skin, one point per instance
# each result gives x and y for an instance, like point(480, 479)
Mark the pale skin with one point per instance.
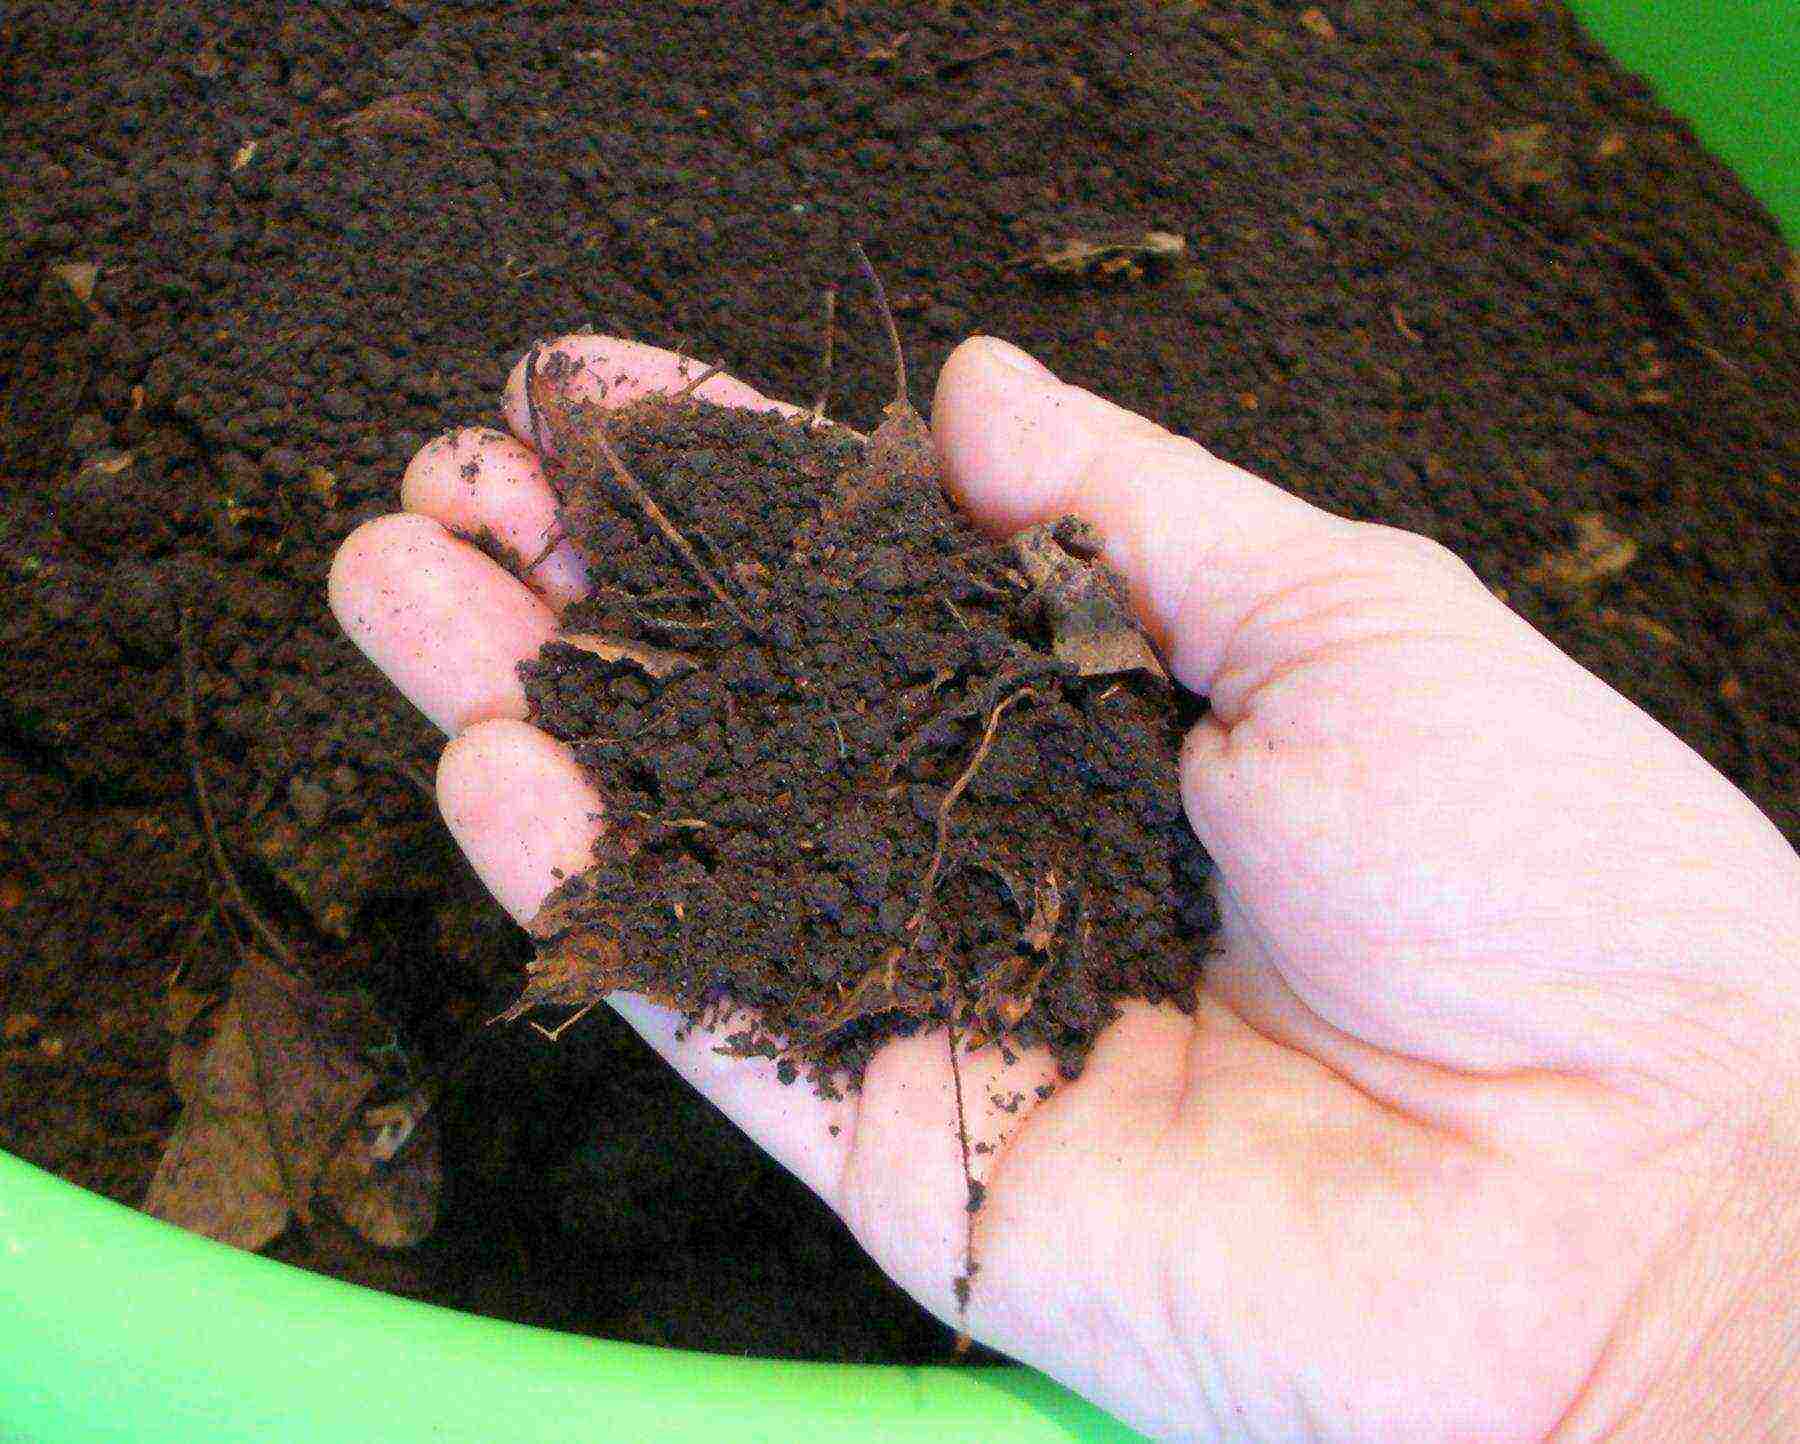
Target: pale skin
point(1488, 1123)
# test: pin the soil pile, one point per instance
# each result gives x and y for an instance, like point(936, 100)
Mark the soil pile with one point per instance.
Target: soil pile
point(1442, 266)
point(864, 768)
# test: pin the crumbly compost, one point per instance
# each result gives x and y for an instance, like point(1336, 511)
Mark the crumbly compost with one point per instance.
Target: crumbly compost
point(898, 773)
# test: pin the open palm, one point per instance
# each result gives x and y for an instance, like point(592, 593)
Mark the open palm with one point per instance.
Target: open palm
point(1504, 967)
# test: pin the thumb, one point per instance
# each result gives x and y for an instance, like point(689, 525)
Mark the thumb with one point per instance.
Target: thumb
point(1204, 548)
point(1452, 840)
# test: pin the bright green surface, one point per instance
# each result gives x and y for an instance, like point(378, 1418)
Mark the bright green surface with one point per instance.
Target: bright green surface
point(115, 1326)
point(1732, 67)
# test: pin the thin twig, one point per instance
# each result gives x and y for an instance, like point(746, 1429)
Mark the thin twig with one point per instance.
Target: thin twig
point(668, 528)
point(190, 737)
point(818, 411)
point(887, 320)
point(413, 774)
point(555, 1034)
point(962, 1136)
point(692, 386)
point(532, 413)
point(556, 540)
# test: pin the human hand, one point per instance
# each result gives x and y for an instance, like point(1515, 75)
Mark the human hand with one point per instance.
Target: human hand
point(1488, 1122)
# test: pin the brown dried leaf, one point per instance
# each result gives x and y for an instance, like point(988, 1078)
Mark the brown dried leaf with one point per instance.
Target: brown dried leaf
point(1520, 156)
point(886, 52)
point(182, 1008)
point(1046, 913)
point(1090, 624)
point(324, 485)
point(1599, 554)
point(79, 276)
point(218, 1175)
point(579, 961)
point(1317, 21)
point(1012, 1008)
point(268, 1104)
point(1107, 260)
point(404, 114)
point(657, 662)
point(1647, 627)
point(877, 991)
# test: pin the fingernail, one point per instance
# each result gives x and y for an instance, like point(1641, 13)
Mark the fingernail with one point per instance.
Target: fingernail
point(1010, 356)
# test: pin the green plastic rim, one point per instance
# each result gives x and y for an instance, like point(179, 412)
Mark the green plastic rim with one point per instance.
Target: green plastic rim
point(1732, 68)
point(114, 1325)
point(117, 1326)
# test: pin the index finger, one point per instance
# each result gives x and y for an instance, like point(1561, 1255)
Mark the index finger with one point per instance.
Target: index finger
point(613, 372)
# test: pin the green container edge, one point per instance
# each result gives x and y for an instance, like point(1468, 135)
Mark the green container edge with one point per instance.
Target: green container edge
point(114, 1325)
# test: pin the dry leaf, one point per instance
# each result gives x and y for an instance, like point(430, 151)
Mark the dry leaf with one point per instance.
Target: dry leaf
point(308, 1047)
point(1090, 624)
point(1107, 260)
point(1317, 21)
point(1643, 626)
point(391, 1200)
point(658, 662)
point(218, 1175)
point(1046, 913)
point(270, 1123)
point(1520, 156)
point(182, 1008)
point(244, 154)
point(1599, 553)
point(401, 114)
point(324, 485)
point(79, 277)
point(888, 51)
point(877, 991)
point(1012, 1008)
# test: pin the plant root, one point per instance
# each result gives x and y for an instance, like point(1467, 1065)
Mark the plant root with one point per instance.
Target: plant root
point(683, 547)
point(917, 921)
point(190, 737)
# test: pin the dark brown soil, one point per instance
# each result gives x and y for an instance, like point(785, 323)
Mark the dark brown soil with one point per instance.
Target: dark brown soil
point(868, 784)
point(1445, 268)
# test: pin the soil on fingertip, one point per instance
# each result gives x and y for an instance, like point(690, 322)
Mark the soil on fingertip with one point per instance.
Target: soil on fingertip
point(864, 769)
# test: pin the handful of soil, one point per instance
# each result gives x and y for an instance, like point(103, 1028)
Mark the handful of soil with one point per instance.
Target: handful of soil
point(864, 769)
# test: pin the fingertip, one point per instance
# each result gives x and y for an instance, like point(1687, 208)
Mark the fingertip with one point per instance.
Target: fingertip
point(426, 484)
point(446, 624)
point(477, 480)
point(999, 416)
point(521, 809)
point(995, 352)
point(613, 371)
point(357, 564)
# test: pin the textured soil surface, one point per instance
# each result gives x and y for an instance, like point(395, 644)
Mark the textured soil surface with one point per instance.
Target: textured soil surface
point(880, 777)
point(1445, 267)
